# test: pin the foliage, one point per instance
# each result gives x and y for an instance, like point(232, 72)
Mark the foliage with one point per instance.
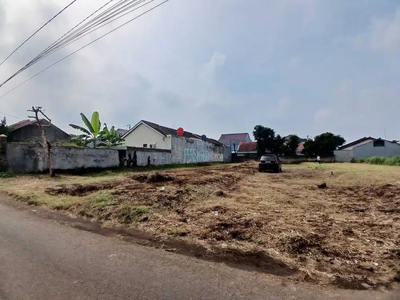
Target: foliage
point(278, 146)
point(91, 132)
point(291, 146)
point(110, 137)
point(376, 160)
point(3, 127)
point(323, 144)
point(265, 138)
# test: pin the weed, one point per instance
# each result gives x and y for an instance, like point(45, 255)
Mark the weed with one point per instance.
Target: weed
point(7, 175)
point(376, 160)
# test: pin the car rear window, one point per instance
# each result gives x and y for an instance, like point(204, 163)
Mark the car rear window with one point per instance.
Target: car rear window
point(268, 157)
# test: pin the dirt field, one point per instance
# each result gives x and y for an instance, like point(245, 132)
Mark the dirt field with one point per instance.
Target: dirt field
point(347, 234)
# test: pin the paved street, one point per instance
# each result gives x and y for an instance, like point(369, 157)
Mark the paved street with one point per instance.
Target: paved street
point(41, 259)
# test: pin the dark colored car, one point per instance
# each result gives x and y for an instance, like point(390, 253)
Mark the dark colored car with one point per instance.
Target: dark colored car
point(270, 162)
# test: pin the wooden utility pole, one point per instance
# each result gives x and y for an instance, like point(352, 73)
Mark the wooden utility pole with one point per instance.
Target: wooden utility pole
point(45, 143)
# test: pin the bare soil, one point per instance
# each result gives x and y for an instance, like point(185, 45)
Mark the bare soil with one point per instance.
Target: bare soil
point(346, 234)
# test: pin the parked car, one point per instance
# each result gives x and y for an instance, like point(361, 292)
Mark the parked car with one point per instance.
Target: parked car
point(270, 162)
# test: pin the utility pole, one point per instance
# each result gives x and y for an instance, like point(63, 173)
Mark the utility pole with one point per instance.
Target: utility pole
point(45, 143)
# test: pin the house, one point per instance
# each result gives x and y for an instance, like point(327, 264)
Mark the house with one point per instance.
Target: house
point(247, 149)
point(29, 131)
point(232, 140)
point(121, 131)
point(366, 147)
point(184, 146)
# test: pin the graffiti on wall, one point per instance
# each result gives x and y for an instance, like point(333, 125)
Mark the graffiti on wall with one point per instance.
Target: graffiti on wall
point(196, 156)
point(64, 155)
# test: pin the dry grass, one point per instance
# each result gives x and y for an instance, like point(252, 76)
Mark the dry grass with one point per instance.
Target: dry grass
point(346, 233)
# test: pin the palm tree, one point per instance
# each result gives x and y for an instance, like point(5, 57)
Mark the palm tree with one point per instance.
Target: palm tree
point(92, 130)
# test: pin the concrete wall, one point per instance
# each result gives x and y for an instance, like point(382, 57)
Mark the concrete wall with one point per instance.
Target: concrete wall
point(144, 134)
point(33, 133)
point(157, 156)
point(187, 151)
point(368, 150)
point(343, 155)
point(29, 159)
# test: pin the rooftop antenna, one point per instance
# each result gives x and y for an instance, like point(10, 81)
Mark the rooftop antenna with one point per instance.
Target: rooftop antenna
point(384, 132)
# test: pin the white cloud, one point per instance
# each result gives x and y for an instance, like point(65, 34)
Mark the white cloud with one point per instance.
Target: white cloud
point(383, 34)
point(322, 115)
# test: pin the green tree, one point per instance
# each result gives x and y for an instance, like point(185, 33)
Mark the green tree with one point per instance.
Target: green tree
point(279, 145)
point(265, 138)
point(3, 127)
point(110, 137)
point(310, 148)
point(323, 144)
point(292, 145)
point(91, 132)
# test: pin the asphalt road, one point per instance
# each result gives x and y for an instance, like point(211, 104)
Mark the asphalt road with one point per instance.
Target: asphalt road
point(42, 259)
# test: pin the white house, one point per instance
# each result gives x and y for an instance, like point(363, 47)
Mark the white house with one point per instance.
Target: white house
point(366, 147)
point(185, 148)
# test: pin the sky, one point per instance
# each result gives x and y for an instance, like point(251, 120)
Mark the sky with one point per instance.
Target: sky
point(214, 66)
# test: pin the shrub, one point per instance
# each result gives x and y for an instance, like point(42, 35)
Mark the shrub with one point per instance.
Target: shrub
point(387, 161)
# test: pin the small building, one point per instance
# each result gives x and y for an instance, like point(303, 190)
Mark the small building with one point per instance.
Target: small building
point(185, 147)
point(366, 147)
point(28, 131)
point(247, 149)
point(232, 140)
point(121, 131)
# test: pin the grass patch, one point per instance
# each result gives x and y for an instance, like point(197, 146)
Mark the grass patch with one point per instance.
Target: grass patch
point(8, 175)
point(386, 161)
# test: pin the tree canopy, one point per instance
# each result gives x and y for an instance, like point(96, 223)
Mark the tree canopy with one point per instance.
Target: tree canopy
point(3, 127)
point(270, 142)
point(323, 144)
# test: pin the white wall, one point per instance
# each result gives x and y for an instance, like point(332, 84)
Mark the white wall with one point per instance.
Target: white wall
point(26, 159)
point(343, 155)
point(365, 150)
point(368, 150)
point(144, 134)
point(187, 151)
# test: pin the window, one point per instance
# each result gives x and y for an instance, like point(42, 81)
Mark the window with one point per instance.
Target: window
point(379, 143)
point(144, 145)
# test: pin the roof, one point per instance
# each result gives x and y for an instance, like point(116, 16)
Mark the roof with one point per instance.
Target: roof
point(121, 131)
point(170, 131)
point(234, 136)
point(247, 147)
point(359, 141)
point(25, 123)
point(300, 147)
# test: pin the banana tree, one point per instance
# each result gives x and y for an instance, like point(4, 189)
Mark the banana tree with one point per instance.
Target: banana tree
point(91, 132)
point(110, 136)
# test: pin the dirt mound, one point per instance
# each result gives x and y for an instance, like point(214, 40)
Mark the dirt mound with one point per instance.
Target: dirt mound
point(154, 178)
point(79, 189)
point(235, 228)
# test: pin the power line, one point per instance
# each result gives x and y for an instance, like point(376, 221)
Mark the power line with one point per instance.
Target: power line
point(102, 36)
point(37, 31)
point(77, 34)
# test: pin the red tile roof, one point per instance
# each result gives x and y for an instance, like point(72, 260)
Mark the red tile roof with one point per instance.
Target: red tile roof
point(247, 147)
point(300, 147)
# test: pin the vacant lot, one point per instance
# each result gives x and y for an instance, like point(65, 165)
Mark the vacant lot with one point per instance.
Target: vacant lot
point(346, 234)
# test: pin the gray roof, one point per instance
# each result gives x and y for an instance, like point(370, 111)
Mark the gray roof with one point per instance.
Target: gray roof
point(171, 131)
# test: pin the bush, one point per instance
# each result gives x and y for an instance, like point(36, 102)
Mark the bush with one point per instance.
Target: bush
point(387, 161)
